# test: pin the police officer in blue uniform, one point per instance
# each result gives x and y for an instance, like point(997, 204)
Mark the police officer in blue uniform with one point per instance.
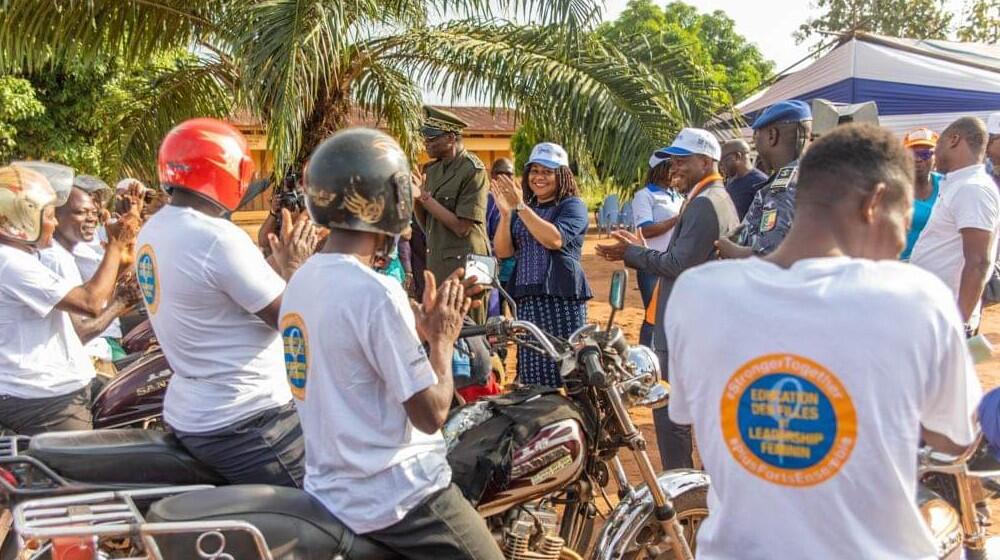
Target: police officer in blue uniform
point(781, 133)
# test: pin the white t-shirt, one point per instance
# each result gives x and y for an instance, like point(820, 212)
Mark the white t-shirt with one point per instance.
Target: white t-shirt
point(807, 388)
point(353, 359)
point(655, 205)
point(40, 354)
point(968, 199)
point(61, 261)
point(202, 280)
point(88, 258)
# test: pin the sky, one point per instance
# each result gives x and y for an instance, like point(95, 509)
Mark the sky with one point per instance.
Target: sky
point(767, 23)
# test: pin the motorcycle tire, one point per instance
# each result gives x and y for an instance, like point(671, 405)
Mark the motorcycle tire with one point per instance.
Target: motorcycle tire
point(691, 508)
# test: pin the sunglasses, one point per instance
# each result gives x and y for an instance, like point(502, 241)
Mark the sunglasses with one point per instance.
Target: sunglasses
point(923, 155)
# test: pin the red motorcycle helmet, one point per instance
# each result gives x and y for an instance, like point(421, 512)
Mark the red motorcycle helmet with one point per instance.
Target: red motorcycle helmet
point(207, 157)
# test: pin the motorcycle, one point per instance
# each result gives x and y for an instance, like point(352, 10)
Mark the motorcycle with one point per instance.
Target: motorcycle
point(952, 499)
point(543, 507)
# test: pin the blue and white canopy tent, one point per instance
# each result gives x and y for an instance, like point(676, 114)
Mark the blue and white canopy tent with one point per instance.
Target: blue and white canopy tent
point(914, 82)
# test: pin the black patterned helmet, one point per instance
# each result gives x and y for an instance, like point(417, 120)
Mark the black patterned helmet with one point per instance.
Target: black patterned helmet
point(359, 179)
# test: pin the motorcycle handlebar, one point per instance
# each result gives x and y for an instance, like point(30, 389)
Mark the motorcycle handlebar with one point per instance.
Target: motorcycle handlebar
point(506, 327)
point(591, 361)
point(475, 330)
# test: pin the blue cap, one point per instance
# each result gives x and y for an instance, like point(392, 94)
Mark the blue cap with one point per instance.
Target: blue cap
point(784, 111)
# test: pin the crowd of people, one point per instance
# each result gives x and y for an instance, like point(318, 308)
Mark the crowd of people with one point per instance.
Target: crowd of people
point(810, 308)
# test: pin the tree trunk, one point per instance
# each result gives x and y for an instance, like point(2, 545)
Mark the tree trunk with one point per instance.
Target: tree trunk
point(330, 114)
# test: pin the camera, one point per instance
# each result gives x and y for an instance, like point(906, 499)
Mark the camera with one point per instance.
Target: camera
point(289, 195)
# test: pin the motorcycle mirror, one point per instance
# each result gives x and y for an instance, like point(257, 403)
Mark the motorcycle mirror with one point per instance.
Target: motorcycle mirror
point(617, 296)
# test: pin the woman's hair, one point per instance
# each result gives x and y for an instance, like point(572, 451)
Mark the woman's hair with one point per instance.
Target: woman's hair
point(565, 184)
point(659, 175)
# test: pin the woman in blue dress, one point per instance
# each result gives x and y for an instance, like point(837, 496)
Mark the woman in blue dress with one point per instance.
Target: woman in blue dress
point(543, 222)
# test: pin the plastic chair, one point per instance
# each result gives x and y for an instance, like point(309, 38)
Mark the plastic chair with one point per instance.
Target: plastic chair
point(609, 213)
point(625, 216)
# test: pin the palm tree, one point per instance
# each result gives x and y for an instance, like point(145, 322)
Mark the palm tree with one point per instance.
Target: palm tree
point(301, 65)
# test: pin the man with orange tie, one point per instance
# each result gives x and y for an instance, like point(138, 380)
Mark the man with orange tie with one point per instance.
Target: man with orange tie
point(707, 215)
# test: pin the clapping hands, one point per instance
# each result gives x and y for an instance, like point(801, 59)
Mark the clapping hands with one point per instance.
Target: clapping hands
point(506, 193)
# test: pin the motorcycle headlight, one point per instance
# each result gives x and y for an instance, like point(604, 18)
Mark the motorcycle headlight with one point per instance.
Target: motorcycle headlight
point(644, 386)
point(644, 362)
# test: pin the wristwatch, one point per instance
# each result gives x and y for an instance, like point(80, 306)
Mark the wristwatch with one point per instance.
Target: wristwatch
point(520, 206)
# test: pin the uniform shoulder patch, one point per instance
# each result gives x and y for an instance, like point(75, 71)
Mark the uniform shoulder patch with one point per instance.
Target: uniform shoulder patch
point(474, 159)
point(784, 177)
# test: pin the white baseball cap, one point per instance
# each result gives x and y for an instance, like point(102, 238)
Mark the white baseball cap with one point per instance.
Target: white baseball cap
point(550, 155)
point(658, 157)
point(693, 141)
point(993, 124)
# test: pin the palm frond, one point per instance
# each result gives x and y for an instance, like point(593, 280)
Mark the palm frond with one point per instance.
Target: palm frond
point(158, 101)
point(391, 98)
point(572, 15)
point(600, 101)
point(34, 34)
point(293, 53)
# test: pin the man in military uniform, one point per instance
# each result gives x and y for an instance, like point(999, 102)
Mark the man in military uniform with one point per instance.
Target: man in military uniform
point(781, 133)
point(451, 202)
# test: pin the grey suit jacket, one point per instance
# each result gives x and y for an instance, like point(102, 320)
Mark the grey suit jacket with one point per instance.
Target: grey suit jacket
point(708, 217)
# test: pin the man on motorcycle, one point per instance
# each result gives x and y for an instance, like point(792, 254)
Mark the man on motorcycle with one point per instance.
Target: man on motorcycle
point(371, 399)
point(45, 374)
point(213, 302)
point(77, 221)
point(810, 422)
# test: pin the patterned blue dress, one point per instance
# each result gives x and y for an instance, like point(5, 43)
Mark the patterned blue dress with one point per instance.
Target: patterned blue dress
point(556, 315)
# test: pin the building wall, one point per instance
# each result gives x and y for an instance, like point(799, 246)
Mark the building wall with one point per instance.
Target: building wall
point(487, 148)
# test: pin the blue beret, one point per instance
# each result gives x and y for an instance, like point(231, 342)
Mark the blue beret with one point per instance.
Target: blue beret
point(783, 111)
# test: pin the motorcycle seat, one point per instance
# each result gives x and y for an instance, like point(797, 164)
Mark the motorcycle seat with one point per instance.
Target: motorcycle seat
point(120, 457)
point(294, 524)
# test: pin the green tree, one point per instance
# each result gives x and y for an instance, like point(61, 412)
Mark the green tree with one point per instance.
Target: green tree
point(301, 65)
point(982, 22)
point(18, 104)
point(917, 19)
point(80, 114)
point(734, 64)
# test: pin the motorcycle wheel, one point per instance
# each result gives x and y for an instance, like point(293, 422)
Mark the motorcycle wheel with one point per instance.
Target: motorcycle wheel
point(645, 542)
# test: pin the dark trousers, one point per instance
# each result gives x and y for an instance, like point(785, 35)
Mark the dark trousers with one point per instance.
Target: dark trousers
point(266, 448)
point(444, 525)
point(647, 284)
point(62, 413)
point(674, 440)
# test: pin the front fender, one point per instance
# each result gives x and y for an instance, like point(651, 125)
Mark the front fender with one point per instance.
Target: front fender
point(633, 510)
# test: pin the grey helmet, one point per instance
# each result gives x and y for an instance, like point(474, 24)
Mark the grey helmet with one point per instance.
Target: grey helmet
point(359, 179)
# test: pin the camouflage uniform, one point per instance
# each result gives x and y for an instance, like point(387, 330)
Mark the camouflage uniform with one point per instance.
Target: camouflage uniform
point(771, 212)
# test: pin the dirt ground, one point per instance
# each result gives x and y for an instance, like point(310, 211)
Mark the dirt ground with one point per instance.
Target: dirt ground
point(599, 274)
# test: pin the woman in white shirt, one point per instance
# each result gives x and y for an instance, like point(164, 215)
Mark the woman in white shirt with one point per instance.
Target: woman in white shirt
point(655, 208)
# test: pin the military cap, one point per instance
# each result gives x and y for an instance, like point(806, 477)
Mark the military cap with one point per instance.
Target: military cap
point(783, 111)
point(438, 122)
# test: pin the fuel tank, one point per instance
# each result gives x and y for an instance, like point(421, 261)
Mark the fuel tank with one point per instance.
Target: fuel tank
point(550, 460)
point(139, 338)
point(136, 395)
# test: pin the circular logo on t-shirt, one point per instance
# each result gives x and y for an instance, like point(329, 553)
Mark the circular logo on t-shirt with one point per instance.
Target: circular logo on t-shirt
point(788, 420)
point(293, 334)
point(145, 273)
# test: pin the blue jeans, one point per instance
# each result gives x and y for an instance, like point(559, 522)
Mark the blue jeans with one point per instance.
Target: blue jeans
point(647, 284)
